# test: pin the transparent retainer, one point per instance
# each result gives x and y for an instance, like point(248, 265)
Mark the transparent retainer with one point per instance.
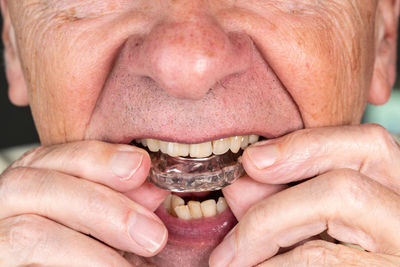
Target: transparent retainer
point(180, 174)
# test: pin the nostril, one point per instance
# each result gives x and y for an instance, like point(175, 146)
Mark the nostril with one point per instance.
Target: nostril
point(188, 59)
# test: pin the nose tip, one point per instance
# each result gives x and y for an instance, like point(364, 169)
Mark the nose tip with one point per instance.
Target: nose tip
point(187, 59)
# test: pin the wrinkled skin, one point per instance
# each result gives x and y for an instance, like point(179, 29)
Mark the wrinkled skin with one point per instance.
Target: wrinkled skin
point(191, 71)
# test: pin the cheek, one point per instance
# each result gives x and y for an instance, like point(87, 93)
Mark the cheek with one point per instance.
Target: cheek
point(326, 73)
point(333, 75)
point(66, 65)
point(322, 54)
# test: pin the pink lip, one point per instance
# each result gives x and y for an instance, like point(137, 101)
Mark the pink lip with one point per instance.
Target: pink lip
point(191, 242)
point(197, 232)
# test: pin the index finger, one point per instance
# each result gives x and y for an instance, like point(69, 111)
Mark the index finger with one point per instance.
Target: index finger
point(335, 201)
point(303, 154)
point(118, 166)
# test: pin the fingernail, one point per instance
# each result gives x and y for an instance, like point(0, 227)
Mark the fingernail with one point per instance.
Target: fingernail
point(147, 232)
point(224, 253)
point(263, 156)
point(124, 163)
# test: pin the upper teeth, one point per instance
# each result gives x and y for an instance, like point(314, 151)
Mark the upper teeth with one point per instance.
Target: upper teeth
point(218, 147)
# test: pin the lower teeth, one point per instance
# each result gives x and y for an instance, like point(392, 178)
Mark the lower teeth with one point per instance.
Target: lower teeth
point(181, 174)
point(175, 205)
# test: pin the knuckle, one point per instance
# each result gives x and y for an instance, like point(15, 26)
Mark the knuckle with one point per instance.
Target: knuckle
point(256, 222)
point(259, 214)
point(315, 253)
point(311, 142)
point(382, 136)
point(97, 208)
point(89, 145)
point(304, 135)
point(28, 157)
point(99, 202)
point(322, 253)
point(351, 187)
point(97, 199)
point(88, 148)
point(26, 234)
point(22, 183)
point(12, 180)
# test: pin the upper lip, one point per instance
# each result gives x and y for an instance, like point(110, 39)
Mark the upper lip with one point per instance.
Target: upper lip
point(176, 139)
point(130, 108)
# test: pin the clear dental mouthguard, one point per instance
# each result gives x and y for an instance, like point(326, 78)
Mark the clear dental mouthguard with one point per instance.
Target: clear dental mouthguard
point(181, 174)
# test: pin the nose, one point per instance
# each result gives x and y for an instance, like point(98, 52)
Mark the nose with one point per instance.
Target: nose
point(188, 58)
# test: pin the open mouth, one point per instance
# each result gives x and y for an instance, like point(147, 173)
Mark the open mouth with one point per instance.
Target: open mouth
point(199, 203)
point(191, 234)
point(196, 223)
point(196, 220)
point(200, 167)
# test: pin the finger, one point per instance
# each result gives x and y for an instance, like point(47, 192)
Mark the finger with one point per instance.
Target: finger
point(87, 207)
point(121, 167)
point(369, 149)
point(148, 195)
point(335, 201)
point(240, 200)
point(31, 240)
point(321, 253)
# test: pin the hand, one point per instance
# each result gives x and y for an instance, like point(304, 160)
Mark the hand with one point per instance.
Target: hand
point(55, 199)
point(353, 194)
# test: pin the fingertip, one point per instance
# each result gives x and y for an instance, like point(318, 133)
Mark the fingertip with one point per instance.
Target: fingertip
point(130, 168)
point(148, 195)
point(252, 170)
point(240, 200)
point(148, 233)
point(262, 156)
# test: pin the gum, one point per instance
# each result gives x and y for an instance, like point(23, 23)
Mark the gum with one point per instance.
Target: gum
point(180, 174)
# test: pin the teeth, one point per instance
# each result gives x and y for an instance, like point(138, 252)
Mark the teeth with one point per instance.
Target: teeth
point(217, 147)
point(164, 147)
point(221, 146)
point(153, 145)
point(183, 212)
point(175, 205)
point(184, 150)
point(245, 142)
point(195, 209)
point(253, 138)
point(201, 150)
point(236, 141)
point(167, 203)
point(171, 149)
point(175, 202)
point(221, 205)
point(209, 208)
point(144, 142)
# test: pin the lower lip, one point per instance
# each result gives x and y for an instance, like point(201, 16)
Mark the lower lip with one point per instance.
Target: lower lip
point(197, 232)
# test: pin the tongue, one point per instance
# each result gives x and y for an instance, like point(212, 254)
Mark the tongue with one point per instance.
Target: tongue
point(191, 242)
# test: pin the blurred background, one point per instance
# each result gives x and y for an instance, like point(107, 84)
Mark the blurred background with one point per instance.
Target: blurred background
point(18, 128)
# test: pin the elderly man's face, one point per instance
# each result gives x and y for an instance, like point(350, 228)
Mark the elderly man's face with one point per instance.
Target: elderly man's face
point(195, 71)
point(191, 71)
